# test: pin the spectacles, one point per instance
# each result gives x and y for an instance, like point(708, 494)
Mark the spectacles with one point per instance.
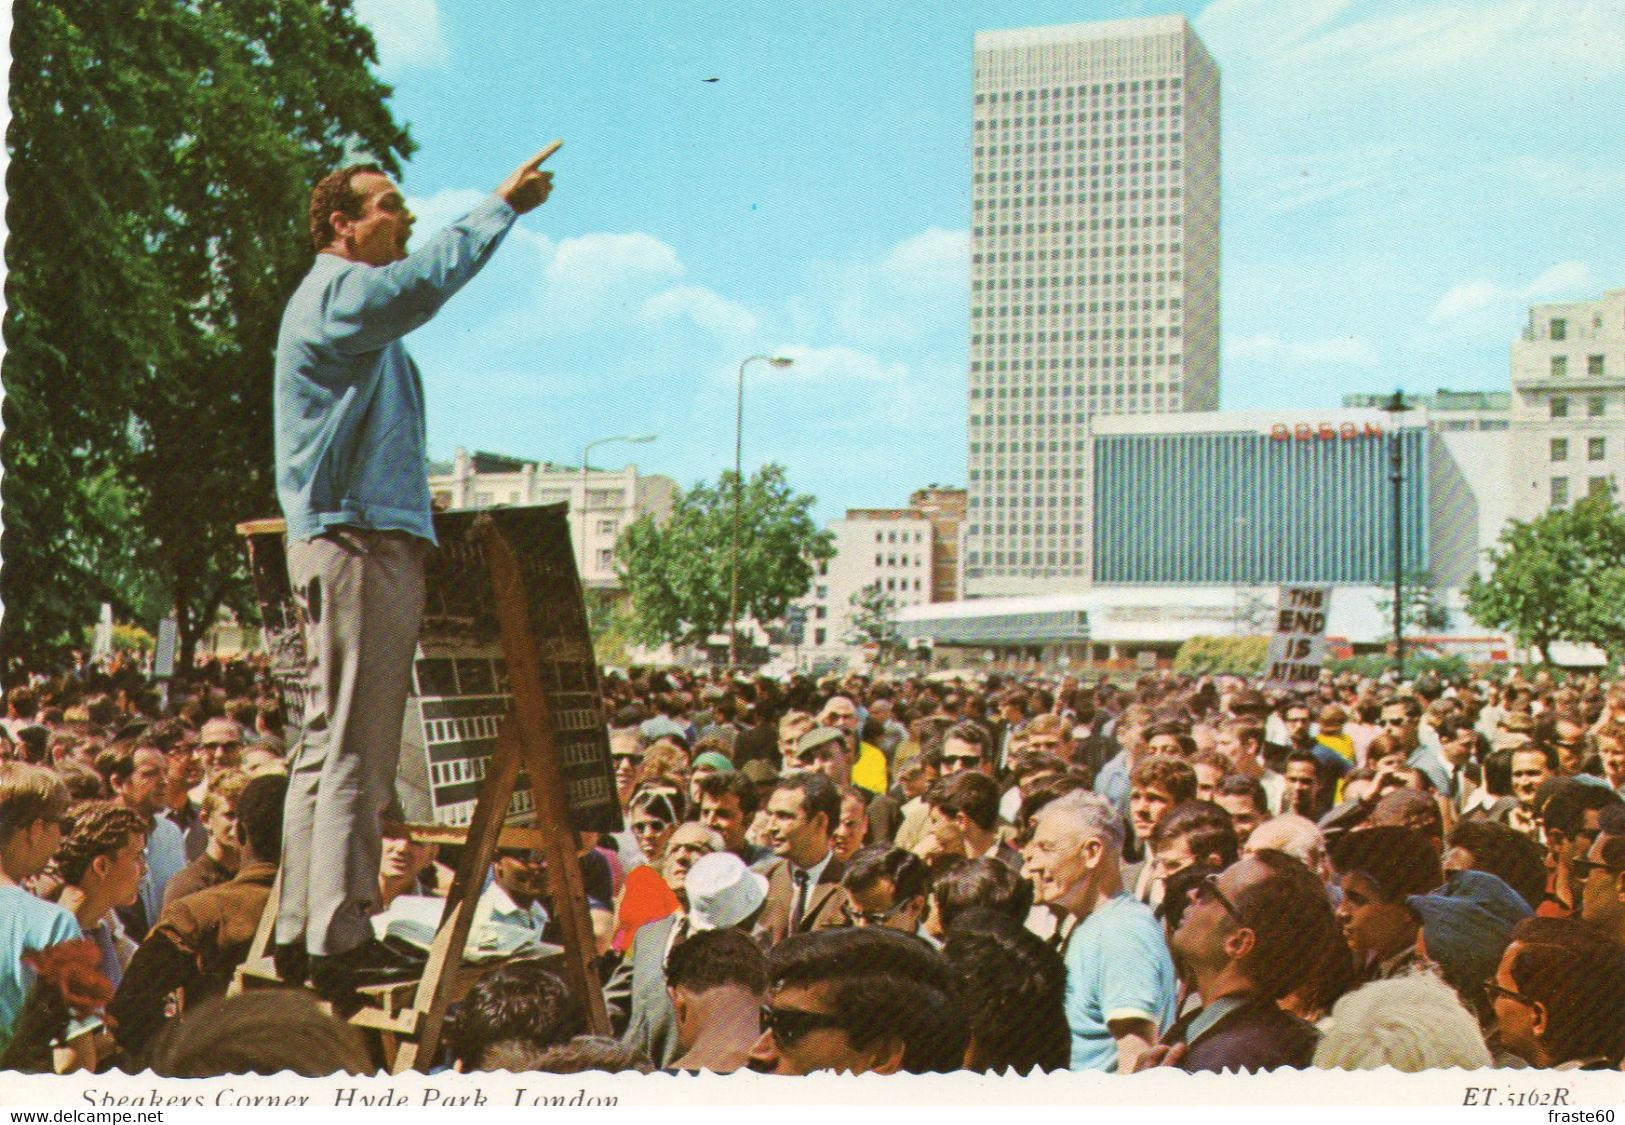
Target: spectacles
point(1496, 992)
point(1208, 886)
point(790, 1025)
point(962, 760)
point(1583, 868)
point(1393, 722)
point(870, 917)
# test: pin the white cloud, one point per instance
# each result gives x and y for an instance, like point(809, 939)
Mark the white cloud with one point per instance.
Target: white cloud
point(596, 261)
point(1561, 280)
point(930, 261)
point(1350, 350)
point(407, 31)
point(1290, 183)
point(1493, 41)
point(704, 308)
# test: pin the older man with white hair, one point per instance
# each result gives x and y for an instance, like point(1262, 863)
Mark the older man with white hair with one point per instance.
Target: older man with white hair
point(1298, 837)
point(1120, 984)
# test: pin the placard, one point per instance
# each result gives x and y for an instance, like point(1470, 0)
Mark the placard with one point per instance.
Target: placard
point(1297, 647)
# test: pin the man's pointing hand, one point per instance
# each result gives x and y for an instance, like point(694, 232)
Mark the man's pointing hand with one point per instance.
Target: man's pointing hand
point(529, 187)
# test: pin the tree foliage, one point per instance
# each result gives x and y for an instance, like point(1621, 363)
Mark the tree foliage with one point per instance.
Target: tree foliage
point(1208, 656)
point(678, 572)
point(874, 621)
point(161, 161)
point(1558, 577)
point(1421, 611)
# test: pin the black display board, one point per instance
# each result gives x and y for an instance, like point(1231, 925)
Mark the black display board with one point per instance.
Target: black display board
point(460, 687)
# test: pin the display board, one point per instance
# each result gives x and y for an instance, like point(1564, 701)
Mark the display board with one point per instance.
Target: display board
point(460, 688)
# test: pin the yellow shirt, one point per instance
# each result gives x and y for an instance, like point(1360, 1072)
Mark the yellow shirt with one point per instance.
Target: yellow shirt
point(869, 771)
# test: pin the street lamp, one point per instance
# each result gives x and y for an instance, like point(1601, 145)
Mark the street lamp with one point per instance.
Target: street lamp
point(739, 446)
point(635, 439)
point(1395, 407)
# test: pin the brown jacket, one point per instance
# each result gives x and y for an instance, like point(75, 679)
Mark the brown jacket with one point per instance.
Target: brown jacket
point(196, 947)
point(824, 902)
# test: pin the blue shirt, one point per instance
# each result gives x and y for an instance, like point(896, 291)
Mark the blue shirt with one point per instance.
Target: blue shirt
point(26, 923)
point(166, 855)
point(351, 444)
point(1117, 968)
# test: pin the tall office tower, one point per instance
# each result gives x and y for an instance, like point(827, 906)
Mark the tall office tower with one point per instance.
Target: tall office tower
point(1094, 273)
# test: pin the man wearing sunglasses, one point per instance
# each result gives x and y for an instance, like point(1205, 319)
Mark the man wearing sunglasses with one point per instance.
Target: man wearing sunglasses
point(1245, 940)
point(855, 1001)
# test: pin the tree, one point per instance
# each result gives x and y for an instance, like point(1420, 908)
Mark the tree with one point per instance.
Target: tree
point(1421, 610)
point(678, 572)
point(161, 164)
point(874, 621)
point(1206, 656)
point(1558, 577)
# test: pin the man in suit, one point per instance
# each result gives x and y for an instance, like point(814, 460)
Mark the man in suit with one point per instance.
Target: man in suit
point(804, 883)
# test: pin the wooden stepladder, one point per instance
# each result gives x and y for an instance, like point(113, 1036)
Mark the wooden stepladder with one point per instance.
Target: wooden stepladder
point(409, 1016)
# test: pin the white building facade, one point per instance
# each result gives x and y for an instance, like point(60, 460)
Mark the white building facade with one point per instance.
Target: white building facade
point(1568, 404)
point(886, 547)
point(602, 502)
point(1094, 273)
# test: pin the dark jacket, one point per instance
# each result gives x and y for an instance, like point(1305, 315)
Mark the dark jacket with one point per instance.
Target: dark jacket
point(1254, 1034)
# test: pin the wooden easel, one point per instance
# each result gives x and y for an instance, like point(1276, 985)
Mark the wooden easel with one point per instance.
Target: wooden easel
point(410, 1029)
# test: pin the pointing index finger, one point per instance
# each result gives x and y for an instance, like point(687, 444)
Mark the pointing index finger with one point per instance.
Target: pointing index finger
point(536, 161)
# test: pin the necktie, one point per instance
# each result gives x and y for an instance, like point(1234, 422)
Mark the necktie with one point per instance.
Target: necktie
point(798, 899)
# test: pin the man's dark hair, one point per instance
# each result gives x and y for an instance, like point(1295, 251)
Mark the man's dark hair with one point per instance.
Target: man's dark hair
point(1506, 853)
point(1547, 753)
point(1398, 861)
point(719, 785)
point(1291, 920)
point(521, 1003)
point(987, 884)
point(970, 792)
point(1409, 808)
point(259, 814)
point(336, 192)
point(99, 828)
point(1304, 756)
point(717, 958)
point(1239, 785)
point(1173, 776)
point(880, 982)
point(1012, 987)
point(974, 733)
point(1562, 802)
point(1498, 772)
point(1205, 827)
point(907, 871)
point(818, 795)
point(1578, 977)
point(263, 1032)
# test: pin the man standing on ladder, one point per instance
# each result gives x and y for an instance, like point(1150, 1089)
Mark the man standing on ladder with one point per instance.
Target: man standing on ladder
point(352, 480)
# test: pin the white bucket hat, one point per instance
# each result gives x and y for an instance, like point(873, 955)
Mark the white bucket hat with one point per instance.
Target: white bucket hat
point(722, 891)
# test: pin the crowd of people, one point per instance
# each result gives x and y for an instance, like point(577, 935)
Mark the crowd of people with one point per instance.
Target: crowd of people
point(880, 874)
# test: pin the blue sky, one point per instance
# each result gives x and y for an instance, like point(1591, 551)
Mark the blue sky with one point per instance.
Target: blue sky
point(1401, 180)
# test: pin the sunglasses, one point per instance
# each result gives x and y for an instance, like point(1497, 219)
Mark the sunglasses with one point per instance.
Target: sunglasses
point(962, 760)
point(1496, 992)
point(790, 1025)
point(1583, 868)
point(1208, 887)
point(1393, 722)
point(870, 917)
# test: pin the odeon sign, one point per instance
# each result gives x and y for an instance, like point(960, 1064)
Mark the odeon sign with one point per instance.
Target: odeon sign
point(1325, 431)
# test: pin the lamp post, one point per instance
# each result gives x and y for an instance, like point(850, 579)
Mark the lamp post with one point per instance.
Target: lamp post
point(1395, 407)
point(635, 439)
point(739, 446)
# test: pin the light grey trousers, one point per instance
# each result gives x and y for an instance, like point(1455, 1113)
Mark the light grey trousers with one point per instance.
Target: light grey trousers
point(362, 593)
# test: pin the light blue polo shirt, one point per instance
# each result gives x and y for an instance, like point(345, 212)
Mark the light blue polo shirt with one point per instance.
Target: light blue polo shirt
point(1117, 968)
